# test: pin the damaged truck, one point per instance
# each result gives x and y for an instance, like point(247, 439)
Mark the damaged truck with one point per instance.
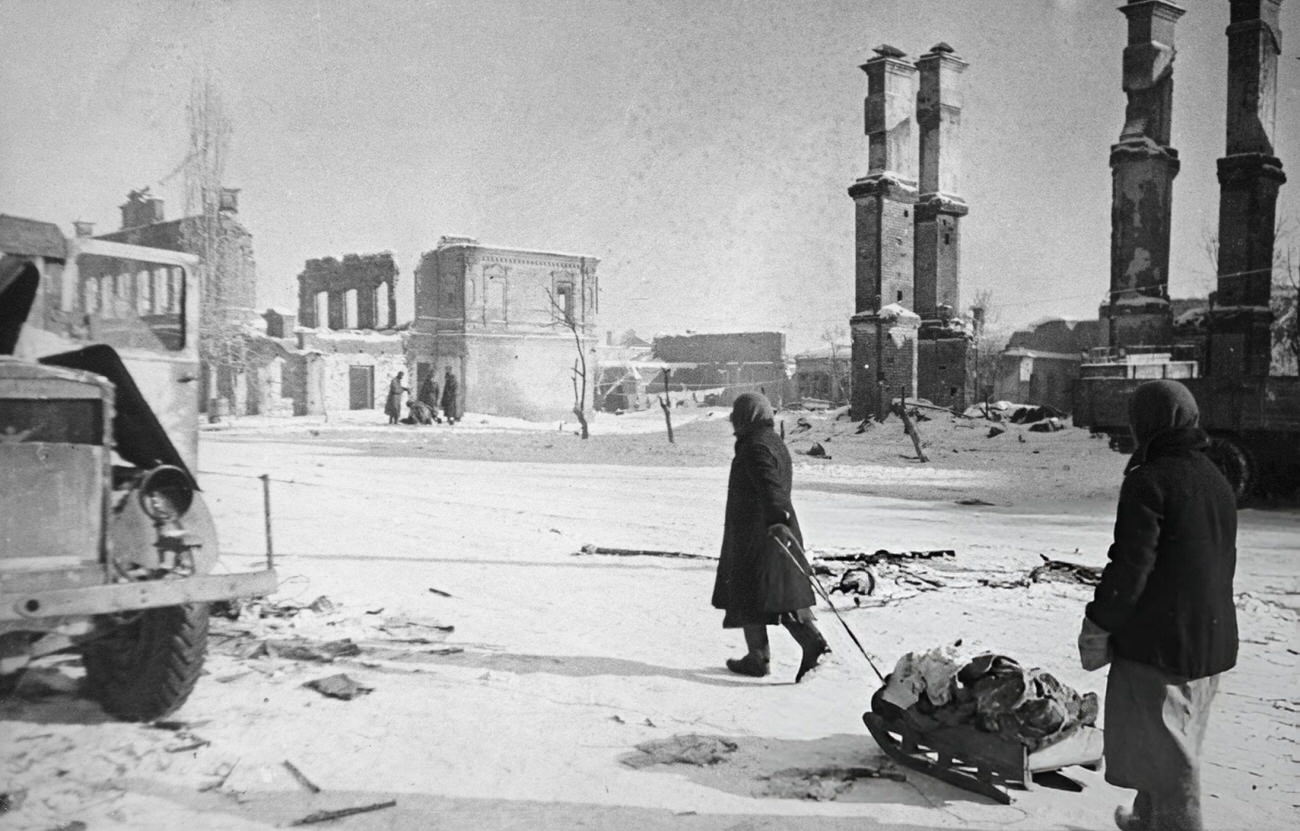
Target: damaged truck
point(107, 547)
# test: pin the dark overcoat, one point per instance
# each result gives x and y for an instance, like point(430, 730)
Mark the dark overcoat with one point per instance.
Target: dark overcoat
point(756, 580)
point(393, 405)
point(429, 393)
point(451, 397)
point(1166, 595)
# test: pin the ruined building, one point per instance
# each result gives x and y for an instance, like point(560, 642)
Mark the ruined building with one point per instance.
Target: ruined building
point(907, 221)
point(510, 323)
point(229, 280)
point(347, 350)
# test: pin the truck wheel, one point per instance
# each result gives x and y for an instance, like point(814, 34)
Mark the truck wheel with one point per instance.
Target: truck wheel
point(145, 669)
point(1235, 461)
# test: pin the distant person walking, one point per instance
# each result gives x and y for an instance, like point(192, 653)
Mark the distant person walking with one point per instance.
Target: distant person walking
point(1163, 614)
point(393, 406)
point(450, 397)
point(758, 584)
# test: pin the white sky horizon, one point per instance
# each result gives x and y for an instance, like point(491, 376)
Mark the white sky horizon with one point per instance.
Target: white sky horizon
point(701, 151)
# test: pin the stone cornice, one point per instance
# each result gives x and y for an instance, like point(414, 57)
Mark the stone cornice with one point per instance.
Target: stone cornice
point(884, 184)
point(1142, 149)
point(1156, 8)
point(930, 205)
point(1241, 167)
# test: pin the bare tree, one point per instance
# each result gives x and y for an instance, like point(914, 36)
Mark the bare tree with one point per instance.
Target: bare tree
point(564, 317)
point(988, 338)
point(841, 383)
point(204, 231)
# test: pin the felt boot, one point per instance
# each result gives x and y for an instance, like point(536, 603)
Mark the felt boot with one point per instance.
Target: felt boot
point(756, 661)
point(810, 639)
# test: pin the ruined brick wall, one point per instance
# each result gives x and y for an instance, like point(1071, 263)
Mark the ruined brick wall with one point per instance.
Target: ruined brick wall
point(721, 348)
point(369, 275)
point(884, 352)
point(1063, 336)
point(945, 371)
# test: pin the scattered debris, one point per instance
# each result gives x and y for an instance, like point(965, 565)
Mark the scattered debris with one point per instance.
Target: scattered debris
point(996, 431)
point(822, 784)
point(971, 500)
point(1061, 570)
point(195, 744)
point(617, 719)
point(1051, 425)
point(881, 555)
point(322, 605)
point(12, 800)
point(338, 686)
point(638, 552)
point(439, 592)
point(75, 825)
point(301, 649)
point(222, 776)
point(302, 779)
point(326, 816)
point(856, 581)
point(817, 451)
point(688, 749)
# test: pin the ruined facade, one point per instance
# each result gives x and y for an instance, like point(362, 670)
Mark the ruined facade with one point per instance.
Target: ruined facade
point(347, 349)
point(1143, 166)
point(228, 282)
point(1249, 177)
point(357, 292)
point(907, 223)
point(509, 323)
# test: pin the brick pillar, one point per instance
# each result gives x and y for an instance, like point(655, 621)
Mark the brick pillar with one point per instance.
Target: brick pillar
point(884, 199)
point(939, 209)
point(338, 310)
point(392, 302)
point(1249, 178)
point(884, 360)
point(367, 306)
point(1143, 167)
point(307, 301)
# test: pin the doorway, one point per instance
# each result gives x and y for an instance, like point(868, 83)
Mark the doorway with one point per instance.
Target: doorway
point(361, 388)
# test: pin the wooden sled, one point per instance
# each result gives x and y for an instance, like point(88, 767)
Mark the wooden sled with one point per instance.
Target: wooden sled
point(984, 763)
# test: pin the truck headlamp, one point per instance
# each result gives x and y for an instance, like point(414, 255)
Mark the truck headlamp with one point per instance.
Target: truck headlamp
point(165, 493)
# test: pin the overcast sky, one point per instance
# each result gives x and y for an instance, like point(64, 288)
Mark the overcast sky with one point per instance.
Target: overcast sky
point(700, 148)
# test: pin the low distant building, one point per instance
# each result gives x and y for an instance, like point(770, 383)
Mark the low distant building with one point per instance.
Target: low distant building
point(723, 365)
point(824, 374)
point(1040, 363)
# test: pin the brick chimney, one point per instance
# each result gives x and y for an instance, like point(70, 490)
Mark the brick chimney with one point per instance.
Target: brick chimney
point(141, 208)
point(229, 200)
point(1249, 177)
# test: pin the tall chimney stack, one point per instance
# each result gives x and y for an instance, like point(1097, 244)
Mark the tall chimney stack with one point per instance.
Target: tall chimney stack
point(1249, 178)
point(885, 196)
point(939, 209)
point(1143, 167)
point(884, 353)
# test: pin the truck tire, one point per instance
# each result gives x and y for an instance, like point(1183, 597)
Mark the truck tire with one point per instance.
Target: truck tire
point(146, 669)
point(1235, 461)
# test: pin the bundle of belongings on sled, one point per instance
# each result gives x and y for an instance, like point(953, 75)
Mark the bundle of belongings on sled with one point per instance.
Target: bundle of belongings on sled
point(993, 693)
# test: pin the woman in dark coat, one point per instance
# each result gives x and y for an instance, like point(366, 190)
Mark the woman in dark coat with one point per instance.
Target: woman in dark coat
point(758, 584)
point(1163, 612)
point(393, 406)
point(450, 398)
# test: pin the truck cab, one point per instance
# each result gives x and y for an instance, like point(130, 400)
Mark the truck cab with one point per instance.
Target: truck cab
point(107, 546)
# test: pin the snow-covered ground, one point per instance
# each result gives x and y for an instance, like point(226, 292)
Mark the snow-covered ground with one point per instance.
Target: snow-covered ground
point(568, 662)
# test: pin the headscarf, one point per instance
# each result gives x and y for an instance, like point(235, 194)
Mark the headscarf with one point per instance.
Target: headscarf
point(1160, 411)
point(750, 411)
